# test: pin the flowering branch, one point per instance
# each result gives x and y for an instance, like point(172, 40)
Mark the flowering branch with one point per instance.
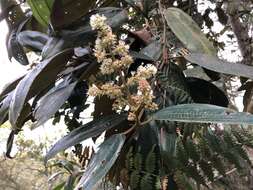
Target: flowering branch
point(115, 59)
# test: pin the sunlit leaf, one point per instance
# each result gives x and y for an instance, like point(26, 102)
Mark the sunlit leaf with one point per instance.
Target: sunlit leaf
point(215, 64)
point(41, 10)
point(187, 31)
point(203, 113)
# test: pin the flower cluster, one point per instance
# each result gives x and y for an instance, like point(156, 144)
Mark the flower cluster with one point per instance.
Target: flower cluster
point(107, 48)
point(114, 58)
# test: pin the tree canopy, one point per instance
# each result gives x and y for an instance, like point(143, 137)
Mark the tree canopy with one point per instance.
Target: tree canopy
point(162, 95)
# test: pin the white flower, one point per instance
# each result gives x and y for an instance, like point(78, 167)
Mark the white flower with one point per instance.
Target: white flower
point(97, 21)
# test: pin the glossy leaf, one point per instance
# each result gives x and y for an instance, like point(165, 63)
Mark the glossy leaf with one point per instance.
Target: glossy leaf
point(41, 10)
point(32, 39)
point(187, 31)
point(102, 161)
point(10, 86)
point(203, 113)
point(50, 103)
point(215, 64)
point(14, 47)
point(84, 132)
point(83, 35)
point(65, 12)
point(38, 79)
point(4, 107)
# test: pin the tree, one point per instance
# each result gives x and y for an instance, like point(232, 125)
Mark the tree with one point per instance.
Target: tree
point(161, 125)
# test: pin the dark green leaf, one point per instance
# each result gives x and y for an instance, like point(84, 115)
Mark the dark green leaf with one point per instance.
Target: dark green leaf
point(215, 64)
point(203, 113)
point(205, 92)
point(84, 132)
point(65, 12)
point(102, 161)
point(83, 34)
point(59, 186)
point(187, 31)
point(51, 102)
point(38, 79)
point(41, 10)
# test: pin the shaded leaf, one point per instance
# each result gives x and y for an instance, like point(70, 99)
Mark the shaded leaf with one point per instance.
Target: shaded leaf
point(32, 39)
point(203, 113)
point(83, 34)
point(38, 79)
point(215, 64)
point(102, 161)
point(65, 12)
point(153, 50)
point(205, 92)
point(50, 103)
point(187, 31)
point(14, 47)
point(84, 132)
point(9, 144)
point(41, 10)
point(4, 107)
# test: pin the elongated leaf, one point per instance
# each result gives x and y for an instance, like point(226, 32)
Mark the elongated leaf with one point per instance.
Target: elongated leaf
point(187, 31)
point(10, 86)
point(51, 102)
point(14, 48)
point(215, 64)
point(102, 161)
point(32, 39)
point(203, 113)
point(65, 12)
point(41, 10)
point(38, 79)
point(84, 132)
point(4, 107)
point(83, 34)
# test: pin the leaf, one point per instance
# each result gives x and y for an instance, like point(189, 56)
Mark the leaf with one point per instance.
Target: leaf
point(187, 31)
point(83, 35)
point(205, 92)
point(38, 79)
point(59, 186)
point(50, 103)
point(4, 107)
point(32, 39)
point(84, 132)
point(102, 161)
point(14, 48)
point(215, 64)
point(41, 10)
point(153, 50)
point(65, 12)
point(203, 113)
point(10, 86)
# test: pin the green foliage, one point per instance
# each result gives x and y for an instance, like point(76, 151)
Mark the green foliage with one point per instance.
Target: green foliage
point(180, 146)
